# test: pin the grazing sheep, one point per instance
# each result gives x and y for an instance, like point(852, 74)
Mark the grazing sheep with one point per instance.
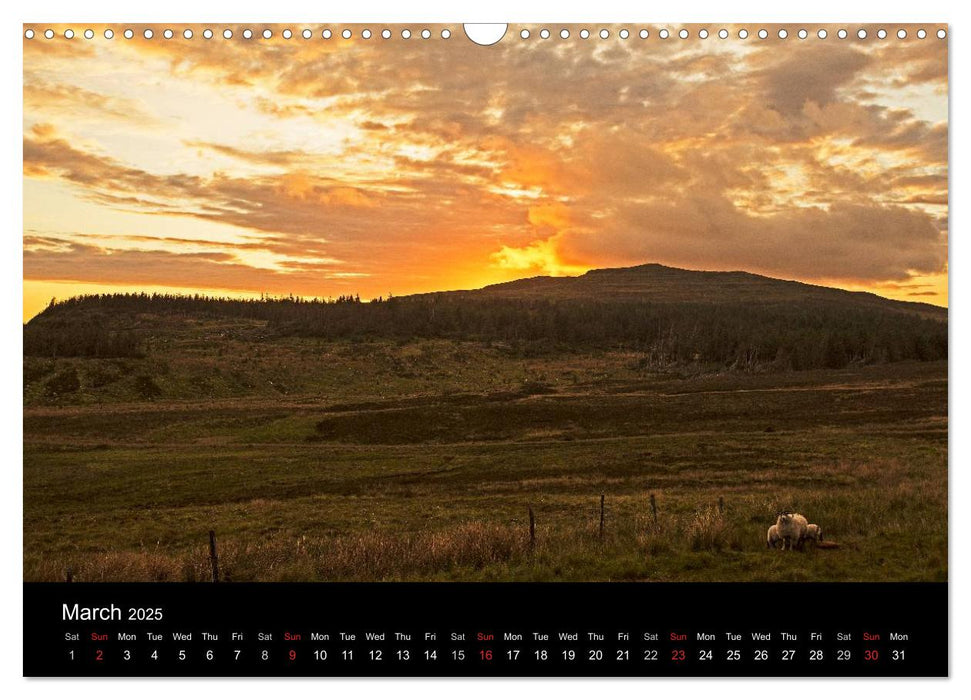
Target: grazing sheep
point(814, 533)
point(772, 537)
point(792, 529)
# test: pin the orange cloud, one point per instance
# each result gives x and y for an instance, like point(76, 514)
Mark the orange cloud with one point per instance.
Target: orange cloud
point(296, 185)
point(423, 164)
point(349, 196)
point(555, 215)
point(530, 166)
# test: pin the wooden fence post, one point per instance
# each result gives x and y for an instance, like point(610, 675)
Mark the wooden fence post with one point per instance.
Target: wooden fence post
point(601, 516)
point(532, 529)
point(654, 508)
point(213, 558)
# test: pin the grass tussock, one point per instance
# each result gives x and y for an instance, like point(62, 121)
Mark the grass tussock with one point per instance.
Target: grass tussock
point(709, 531)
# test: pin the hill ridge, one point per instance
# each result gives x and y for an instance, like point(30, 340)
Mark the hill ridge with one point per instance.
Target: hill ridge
point(658, 273)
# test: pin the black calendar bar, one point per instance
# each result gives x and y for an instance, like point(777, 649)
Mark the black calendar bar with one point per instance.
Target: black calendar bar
point(503, 629)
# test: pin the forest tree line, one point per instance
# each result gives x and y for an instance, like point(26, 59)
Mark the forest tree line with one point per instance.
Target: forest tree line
point(802, 335)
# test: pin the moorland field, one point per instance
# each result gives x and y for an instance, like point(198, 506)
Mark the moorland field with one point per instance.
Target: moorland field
point(407, 439)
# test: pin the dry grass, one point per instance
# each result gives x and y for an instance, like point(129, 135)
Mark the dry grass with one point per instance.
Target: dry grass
point(709, 531)
point(364, 557)
point(629, 549)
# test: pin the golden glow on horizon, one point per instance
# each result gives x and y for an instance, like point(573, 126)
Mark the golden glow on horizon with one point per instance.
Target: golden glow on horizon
point(320, 168)
point(37, 295)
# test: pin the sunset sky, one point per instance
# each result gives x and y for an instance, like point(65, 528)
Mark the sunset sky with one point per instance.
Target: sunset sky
point(330, 166)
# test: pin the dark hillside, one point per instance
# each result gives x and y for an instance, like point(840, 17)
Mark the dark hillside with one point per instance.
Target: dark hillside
point(661, 284)
point(671, 316)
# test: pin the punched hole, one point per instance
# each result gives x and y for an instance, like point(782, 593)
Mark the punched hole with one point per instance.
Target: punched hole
point(485, 34)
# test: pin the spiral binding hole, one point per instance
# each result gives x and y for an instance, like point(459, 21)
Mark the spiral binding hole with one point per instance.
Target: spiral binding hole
point(148, 33)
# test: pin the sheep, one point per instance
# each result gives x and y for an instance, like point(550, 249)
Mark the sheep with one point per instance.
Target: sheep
point(772, 537)
point(792, 529)
point(814, 533)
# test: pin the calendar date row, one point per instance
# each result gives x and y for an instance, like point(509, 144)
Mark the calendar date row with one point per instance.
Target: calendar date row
point(675, 655)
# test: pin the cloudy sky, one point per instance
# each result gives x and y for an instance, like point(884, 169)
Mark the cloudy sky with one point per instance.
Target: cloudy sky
point(328, 166)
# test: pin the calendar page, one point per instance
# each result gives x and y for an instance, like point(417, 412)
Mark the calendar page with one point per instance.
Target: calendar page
point(485, 350)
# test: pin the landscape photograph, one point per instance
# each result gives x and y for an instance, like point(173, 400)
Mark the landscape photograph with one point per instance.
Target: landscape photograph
point(377, 303)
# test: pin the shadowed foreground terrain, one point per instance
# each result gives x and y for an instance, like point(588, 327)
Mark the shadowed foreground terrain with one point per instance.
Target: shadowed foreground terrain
point(356, 455)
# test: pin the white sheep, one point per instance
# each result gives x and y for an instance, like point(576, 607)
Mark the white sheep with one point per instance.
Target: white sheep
point(814, 533)
point(792, 529)
point(772, 537)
